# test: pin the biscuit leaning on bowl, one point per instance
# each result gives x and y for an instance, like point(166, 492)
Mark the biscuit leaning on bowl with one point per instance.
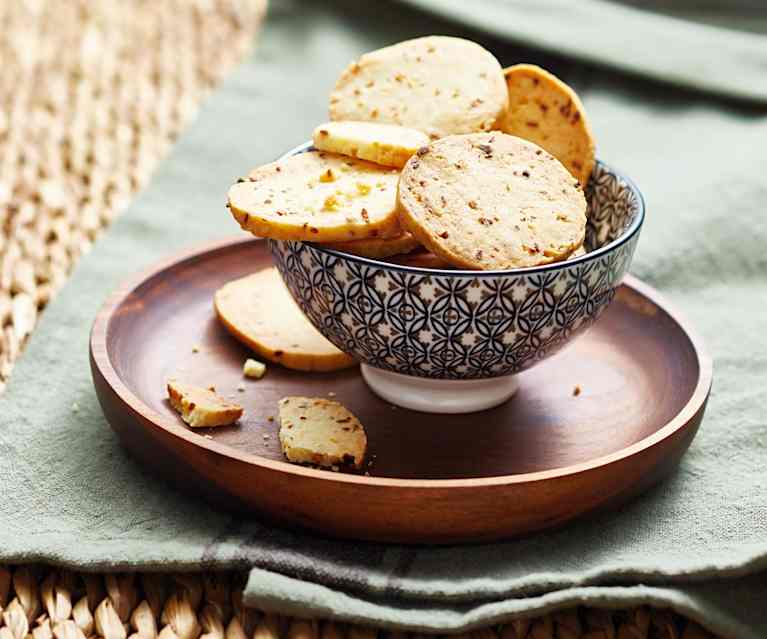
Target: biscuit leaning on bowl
point(259, 311)
point(320, 431)
point(377, 248)
point(437, 84)
point(491, 201)
point(319, 197)
point(544, 110)
point(386, 144)
point(201, 407)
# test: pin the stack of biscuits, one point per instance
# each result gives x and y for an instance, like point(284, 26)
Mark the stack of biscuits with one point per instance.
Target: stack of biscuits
point(435, 157)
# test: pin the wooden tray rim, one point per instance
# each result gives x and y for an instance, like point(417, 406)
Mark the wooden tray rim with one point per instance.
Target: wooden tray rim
point(101, 359)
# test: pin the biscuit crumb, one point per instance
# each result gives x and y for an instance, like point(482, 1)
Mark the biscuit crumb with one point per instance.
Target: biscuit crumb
point(253, 369)
point(270, 418)
point(75, 407)
point(241, 388)
point(196, 348)
point(576, 390)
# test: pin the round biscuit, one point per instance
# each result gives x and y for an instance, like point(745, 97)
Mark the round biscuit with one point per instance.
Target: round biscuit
point(377, 247)
point(491, 201)
point(317, 196)
point(386, 144)
point(437, 84)
point(259, 311)
point(544, 110)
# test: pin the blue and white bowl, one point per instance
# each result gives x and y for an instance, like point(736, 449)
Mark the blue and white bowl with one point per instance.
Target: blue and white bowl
point(452, 340)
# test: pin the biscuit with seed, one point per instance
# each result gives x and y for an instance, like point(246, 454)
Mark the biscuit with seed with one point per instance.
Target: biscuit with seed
point(259, 311)
point(544, 110)
point(377, 248)
point(437, 84)
point(201, 407)
point(320, 431)
point(319, 197)
point(491, 201)
point(386, 144)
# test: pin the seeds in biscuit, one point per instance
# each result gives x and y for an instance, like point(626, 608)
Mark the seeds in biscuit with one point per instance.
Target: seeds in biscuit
point(201, 407)
point(491, 201)
point(320, 431)
point(259, 311)
point(386, 144)
point(437, 84)
point(317, 196)
point(544, 110)
point(377, 248)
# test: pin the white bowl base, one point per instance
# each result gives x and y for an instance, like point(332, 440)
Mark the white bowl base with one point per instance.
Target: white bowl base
point(439, 395)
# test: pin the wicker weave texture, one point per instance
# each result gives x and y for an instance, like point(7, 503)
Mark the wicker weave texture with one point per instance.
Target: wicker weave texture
point(44, 604)
point(92, 95)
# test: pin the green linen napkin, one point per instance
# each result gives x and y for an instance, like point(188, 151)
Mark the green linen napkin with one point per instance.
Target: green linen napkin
point(697, 543)
point(671, 50)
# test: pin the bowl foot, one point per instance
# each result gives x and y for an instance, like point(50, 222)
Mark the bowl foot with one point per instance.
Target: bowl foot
point(439, 395)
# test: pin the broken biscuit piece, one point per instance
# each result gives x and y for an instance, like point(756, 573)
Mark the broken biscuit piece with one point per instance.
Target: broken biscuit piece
point(200, 407)
point(320, 431)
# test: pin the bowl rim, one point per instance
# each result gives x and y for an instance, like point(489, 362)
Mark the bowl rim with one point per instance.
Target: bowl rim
point(626, 236)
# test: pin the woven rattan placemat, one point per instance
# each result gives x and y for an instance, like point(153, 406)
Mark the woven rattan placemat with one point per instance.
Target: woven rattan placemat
point(41, 604)
point(92, 95)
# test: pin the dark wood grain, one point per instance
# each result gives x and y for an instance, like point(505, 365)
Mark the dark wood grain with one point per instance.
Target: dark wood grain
point(540, 459)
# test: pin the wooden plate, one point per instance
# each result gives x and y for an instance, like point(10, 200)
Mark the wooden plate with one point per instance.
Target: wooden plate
point(541, 459)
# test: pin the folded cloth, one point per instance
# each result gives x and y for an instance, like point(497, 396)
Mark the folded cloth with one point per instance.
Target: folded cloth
point(681, 52)
point(71, 495)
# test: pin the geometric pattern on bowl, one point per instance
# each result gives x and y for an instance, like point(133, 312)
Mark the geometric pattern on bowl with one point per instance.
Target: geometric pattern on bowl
point(452, 324)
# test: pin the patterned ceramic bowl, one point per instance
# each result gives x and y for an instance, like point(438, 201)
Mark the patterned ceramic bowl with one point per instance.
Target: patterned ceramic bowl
point(452, 340)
